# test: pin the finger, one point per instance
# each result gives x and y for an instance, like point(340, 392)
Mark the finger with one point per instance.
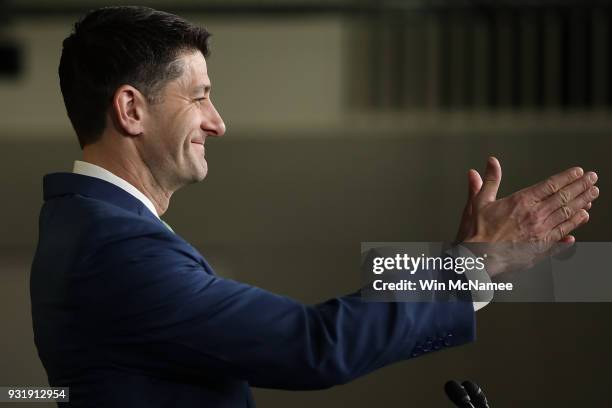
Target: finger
point(559, 250)
point(568, 239)
point(554, 183)
point(565, 195)
point(474, 183)
point(491, 182)
point(563, 229)
point(565, 212)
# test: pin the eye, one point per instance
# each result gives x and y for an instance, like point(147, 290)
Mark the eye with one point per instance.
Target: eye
point(200, 100)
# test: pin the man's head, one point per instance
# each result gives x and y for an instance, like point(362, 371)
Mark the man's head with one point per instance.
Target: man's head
point(139, 76)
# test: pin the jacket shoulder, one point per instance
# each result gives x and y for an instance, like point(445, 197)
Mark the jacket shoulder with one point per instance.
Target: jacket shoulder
point(74, 228)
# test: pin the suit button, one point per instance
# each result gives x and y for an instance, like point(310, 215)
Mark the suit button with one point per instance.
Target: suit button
point(448, 340)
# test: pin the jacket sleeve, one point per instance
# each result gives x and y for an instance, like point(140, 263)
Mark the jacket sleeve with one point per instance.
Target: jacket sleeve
point(150, 306)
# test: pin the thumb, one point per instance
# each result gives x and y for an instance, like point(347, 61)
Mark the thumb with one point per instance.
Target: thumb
point(474, 183)
point(491, 182)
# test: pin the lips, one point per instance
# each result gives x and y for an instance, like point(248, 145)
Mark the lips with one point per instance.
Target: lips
point(200, 144)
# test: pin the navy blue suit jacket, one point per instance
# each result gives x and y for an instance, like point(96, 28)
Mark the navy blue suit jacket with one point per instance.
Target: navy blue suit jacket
point(128, 314)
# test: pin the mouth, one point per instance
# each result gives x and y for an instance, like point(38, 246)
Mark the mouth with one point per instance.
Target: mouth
point(198, 143)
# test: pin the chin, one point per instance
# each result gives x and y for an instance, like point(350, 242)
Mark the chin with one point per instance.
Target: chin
point(202, 173)
point(199, 171)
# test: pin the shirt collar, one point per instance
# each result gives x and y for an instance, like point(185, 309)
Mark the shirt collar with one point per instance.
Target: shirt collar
point(92, 170)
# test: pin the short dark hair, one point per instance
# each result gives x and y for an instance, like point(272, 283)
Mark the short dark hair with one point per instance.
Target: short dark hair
point(113, 46)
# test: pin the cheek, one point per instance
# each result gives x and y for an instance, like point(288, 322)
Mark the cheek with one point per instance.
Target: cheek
point(173, 134)
point(174, 138)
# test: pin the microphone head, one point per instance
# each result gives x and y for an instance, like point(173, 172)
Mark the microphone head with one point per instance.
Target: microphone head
point(456, 393)
point(471, 388)
point(476, 393)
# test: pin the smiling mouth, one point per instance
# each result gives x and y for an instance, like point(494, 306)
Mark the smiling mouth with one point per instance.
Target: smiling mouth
point(200, 144)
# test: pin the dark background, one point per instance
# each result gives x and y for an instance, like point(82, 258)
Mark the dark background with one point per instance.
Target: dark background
point(350, 122)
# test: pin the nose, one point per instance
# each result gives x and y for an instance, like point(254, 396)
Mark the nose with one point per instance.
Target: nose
point(213, 123)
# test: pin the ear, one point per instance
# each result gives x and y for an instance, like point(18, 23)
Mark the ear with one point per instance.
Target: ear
point(127, 110)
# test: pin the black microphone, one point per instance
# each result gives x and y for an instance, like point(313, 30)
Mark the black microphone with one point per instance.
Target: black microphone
point(457, 394)
point(476, 394)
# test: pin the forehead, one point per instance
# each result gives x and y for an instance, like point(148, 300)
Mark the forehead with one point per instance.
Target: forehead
point(195, 71)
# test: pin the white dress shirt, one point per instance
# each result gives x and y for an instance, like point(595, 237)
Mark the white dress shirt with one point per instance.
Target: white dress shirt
point(92, 170)
point(475, 275)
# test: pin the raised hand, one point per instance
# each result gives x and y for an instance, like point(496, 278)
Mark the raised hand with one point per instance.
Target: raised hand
point(540, 215)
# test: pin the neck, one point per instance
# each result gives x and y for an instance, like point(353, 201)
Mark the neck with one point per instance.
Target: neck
point(131, 168)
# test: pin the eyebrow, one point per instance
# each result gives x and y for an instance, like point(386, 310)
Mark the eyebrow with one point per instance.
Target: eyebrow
point(205, 88)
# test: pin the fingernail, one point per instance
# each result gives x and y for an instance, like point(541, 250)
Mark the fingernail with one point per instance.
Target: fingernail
point(594, 191)
point(578, 172)
point(593, 177)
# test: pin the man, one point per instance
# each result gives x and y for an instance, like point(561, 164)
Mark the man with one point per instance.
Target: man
point(128, 314)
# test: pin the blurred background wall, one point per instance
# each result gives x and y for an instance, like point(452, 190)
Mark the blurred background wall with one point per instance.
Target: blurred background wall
point(350, 121)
